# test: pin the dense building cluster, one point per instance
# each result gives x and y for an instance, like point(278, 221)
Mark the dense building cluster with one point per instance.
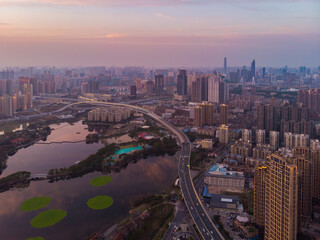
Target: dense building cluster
point(109, 114)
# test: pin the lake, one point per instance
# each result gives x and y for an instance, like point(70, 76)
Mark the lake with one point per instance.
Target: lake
point(147, 176)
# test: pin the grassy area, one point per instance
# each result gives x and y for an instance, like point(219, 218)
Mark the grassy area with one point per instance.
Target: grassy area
point(100, 181)
point(141, 208)
point(163, 228)
point(197, 158)
point(35, 204)
point(158, 219)
point(36, 238)
point(100, 202)
point(48, 218)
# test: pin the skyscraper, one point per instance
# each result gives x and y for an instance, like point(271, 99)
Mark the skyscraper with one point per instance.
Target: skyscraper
point(218, 90)
point(133, 90)
point(253, 68)
point(312, 154)
point(225, 65)
point(267, 117)
point(259, 195)
point(224, 114)
point(305, 190)
point(310, 98)
point(182, 81)
point(260, 117)
point(213, 89)
point(159, 85)
point(281, 198)
point(203, 114)
point(149, 88)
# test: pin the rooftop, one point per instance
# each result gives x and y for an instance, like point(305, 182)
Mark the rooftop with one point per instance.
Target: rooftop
point(221, 170)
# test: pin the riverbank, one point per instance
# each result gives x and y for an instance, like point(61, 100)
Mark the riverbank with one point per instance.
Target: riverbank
point(35, 131)
point(102, 161)
point(106, 160)
point(148, 218)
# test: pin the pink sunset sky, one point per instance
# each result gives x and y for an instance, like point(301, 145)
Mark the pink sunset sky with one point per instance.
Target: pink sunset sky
point(159, 33)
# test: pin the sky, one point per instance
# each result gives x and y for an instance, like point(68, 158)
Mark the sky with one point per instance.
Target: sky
point(159, 33)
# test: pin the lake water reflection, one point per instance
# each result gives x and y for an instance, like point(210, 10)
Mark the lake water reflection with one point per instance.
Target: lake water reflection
point(150, 175)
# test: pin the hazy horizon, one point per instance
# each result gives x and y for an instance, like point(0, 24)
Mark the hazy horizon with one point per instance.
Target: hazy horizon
point(155, 33)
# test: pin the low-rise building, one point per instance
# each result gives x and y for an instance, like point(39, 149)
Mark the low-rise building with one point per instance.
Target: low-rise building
point(219, 179)
point(206, 144)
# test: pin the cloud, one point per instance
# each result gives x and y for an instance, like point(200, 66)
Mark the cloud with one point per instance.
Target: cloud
point(163, 16)
point(116, 35)
point(4, 24)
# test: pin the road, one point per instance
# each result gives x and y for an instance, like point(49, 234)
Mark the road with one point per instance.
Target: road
point(200, 217)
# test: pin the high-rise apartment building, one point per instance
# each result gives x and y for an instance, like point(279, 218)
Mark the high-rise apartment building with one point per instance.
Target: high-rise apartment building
point(274, 139)
point(138, 83)
point(9, 89)
point(149, 88)
point(213, 89)
point(266, 117)
point(305, 187)
point(133, 90)
point(314, 144)
point(259, 195)
point(282, 195)
point(201, 88)
point(225, 65)
point(198, 117)
point(6, 106)
point(224, 114)
point(260, 136)
point(203, 114)
point(223, 134)
point(310, 98)
point(314, 156)
point(292, 140)
point(281, 198)
point(218, 90)
point(182, 81)
point(159, 85)
point(246, 135)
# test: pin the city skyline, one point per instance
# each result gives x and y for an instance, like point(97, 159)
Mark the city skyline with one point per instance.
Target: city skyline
point(159, 33)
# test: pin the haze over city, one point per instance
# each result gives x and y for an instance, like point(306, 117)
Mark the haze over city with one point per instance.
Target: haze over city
point(159, 33)
point(159, 119)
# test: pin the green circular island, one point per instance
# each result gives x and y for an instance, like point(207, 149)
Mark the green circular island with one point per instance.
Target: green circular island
point(48, 218)
point(36, 238)
point(100, 181)
point(100, 202)
point(34, 204)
